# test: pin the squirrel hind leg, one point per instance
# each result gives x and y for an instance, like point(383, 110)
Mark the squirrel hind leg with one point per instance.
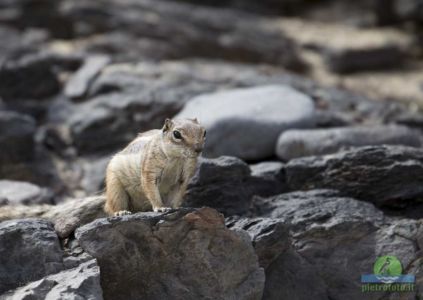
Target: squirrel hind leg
point(117, 200)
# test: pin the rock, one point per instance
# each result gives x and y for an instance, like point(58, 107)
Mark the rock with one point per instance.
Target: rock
point(383, 175)
point(267, 178)
point(186, 254)
point(66, 216)
point(227, 184)
point(292, 277)
point(302, 209)
point(119, 116)
point(262, 112)
point(82, 282)
point(288, 275)
point(79, 84)
point(220, 183)
point(297, 143)
point(32, 71)
point(17, 192)
point(270, 236)
point(94, 176)
point(353, 60)
point(209, 32)
point(29, 250)
point(74, 213)
point(16, 137)
point(332, 234)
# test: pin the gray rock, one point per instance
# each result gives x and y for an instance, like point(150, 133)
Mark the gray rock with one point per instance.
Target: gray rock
point(80, 82)
point(17, 192)
point(29, 250)
point(32, 71)
point(270, 236)
point(246, 122)
point(347, 60)
point(383, 175)
point(209, 32)
point(288, 275)
point(306, 211)
point(119, 116)
point(336, 238)
point(267, 178)
point(187, 254)
point(227, 184)
point(93, 180)
point(16, 137)
point(220, 183)
point(82, 282)
point(297, 143)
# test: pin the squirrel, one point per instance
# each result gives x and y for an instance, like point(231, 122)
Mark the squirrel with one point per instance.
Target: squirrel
point(153, 171)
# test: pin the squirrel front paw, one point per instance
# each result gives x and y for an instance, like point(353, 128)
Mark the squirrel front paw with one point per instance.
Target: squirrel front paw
point(123, 213)
point(162, 209)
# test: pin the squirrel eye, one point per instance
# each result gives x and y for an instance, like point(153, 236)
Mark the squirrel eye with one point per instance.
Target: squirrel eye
point(204, 133)
point(177, 135)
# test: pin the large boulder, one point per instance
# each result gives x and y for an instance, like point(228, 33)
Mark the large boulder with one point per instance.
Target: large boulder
point(247, 122)
point(383, 175)
point(29, 250)
point(336, 238)
point(82, 282)
point(297, 143)
point(187, 254)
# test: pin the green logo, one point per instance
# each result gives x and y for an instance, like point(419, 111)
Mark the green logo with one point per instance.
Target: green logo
point(387, 266)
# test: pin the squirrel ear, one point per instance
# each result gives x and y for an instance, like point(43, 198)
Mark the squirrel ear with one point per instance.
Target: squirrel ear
point(195, 120)
point(167, 125)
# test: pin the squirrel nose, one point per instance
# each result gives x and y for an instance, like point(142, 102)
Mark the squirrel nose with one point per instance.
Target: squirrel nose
point(198, 148)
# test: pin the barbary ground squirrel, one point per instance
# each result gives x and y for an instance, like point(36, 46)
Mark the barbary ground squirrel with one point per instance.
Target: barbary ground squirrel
point(153, 171)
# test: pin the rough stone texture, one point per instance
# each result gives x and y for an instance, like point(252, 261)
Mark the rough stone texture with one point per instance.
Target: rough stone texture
point(227, 184)
point(339, 239)
point(29, 250)
point(253, 117)
point(288, 275)
point(187, 254)
point(298, 143)
point(80, 82)
point(220, 183)
point(16, 192)
point(82, 282)
point(383, 175)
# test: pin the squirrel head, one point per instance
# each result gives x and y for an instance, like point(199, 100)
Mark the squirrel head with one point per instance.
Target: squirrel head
point(183, 137)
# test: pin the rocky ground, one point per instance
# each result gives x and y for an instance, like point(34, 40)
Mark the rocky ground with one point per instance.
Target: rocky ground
point(313, 165)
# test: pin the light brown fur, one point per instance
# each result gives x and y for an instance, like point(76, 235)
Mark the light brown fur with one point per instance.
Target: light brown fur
point(153, 171)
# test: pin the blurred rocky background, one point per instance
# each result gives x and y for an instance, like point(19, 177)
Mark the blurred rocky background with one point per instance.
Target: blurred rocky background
point(313, 154)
